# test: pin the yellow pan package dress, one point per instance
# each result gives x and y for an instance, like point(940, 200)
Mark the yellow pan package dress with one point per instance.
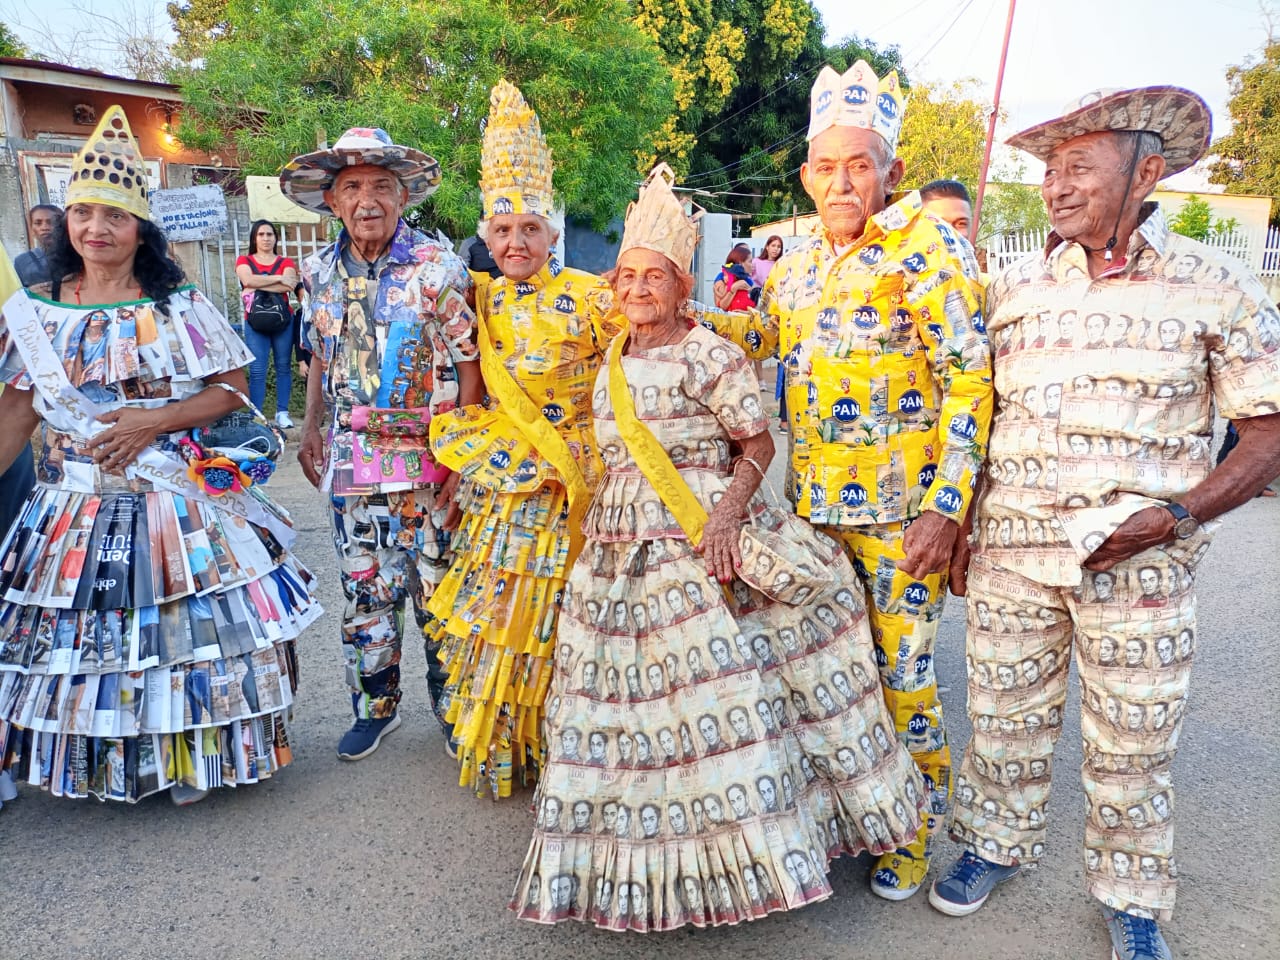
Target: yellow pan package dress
point(528, 464)
point(710, 749)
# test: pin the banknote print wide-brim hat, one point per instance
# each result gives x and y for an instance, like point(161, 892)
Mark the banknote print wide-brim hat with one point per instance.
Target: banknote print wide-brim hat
point(1180, 118)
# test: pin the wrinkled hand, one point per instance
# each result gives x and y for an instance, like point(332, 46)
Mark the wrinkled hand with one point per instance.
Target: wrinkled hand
point(958, 573)
point(311, 455)
point(1145, 529)
point(928, 544)
point(132, 430)
point(445, 499)
point(719, 546)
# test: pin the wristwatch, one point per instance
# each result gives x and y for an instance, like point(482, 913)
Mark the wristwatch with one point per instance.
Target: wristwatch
point(1184, 524)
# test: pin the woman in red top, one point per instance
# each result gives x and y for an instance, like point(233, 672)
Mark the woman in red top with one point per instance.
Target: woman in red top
point(264, 271)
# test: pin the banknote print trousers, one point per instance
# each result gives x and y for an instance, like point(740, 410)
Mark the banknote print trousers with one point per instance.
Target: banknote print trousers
point(1131, 631)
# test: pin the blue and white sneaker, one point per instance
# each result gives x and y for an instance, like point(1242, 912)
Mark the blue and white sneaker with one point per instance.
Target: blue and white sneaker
point(365, 735)
point(1135, 938)
point(967, 883)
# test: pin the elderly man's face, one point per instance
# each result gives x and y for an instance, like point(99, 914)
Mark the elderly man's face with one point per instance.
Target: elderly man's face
point(368, 200)
point(848, 175)
point(520, 244)
point(1084, 186)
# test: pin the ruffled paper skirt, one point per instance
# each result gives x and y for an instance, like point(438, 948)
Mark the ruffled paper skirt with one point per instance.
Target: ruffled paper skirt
point(495, 616)
point(148, 639)
point(709, 750)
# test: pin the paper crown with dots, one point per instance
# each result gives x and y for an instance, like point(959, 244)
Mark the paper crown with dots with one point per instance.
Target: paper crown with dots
point(857, 98)
point(109, 168)
point(657, 221)
point(515, 163)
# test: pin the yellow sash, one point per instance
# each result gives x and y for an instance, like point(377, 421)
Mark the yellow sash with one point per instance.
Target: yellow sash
point(536, 429)
point(650, 456)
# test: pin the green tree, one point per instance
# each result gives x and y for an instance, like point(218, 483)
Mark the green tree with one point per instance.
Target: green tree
point(10, 45)
point(198, 24)
point(1011, 208)
point(286, 72)
point(943, 133)
point(1248, 158)
point(1195, 219)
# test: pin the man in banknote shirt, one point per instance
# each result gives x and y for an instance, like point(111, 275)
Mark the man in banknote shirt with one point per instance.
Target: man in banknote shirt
point(394, 342)
point(1126, 531)
point(877, 325)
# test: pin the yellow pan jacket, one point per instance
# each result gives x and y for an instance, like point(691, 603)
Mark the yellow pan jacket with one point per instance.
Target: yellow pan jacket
point(888, 369)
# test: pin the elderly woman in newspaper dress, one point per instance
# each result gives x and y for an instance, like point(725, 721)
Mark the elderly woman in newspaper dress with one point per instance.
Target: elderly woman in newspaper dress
point(752, 743)
point(526, 462)
point(148, 601)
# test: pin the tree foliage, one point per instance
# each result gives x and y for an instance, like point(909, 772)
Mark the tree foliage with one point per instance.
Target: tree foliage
point(1195, 219)
point(1248, 158)
point(943, 133)
point(198, 24)
point(283, 73)
point(10, 45)
point(1011, 208)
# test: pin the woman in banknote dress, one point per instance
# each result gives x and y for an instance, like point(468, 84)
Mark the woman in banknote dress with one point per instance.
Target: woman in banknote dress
point(148, 601)
point(752, 743)
point(526, 462)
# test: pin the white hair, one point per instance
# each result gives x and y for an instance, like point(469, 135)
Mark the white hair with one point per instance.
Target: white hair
point(555, 223)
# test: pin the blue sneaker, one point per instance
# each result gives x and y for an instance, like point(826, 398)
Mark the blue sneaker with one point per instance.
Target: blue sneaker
point(365, 735)
point(1135, 938)
point(964, 888)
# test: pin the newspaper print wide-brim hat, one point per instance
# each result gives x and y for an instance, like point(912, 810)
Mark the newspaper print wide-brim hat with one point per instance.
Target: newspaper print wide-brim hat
point(305, 179)
point(1180, 118)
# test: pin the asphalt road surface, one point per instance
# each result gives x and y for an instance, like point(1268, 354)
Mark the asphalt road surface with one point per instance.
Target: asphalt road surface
point(389, 858)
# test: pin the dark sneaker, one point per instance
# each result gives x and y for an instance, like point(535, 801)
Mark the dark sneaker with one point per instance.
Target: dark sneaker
point(1135, 938)
point(967, 883)
point(365, 735)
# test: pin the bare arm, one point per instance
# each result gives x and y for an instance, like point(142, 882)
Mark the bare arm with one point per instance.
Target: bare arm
point(1253, 464)
point(311, 448)
point(20, 419)
point(719, 544)
point(133, 428)
point(271, 282)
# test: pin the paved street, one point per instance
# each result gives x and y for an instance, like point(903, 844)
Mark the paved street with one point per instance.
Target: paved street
point(389, 858)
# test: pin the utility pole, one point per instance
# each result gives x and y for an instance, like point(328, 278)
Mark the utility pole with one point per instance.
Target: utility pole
point(991, 126)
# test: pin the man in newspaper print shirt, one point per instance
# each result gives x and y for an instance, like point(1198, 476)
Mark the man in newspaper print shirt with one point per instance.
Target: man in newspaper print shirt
point(1146, 330)
point(394, 345)
point(878, 326)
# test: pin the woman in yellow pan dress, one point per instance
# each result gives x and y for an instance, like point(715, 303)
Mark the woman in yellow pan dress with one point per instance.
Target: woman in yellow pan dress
point(526, 462)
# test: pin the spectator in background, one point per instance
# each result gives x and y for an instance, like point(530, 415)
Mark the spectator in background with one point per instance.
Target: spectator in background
point(263, 272)
point(948, 200)
point(734, 289)
point(768, 257)
point(475, 254)
point(33, 266)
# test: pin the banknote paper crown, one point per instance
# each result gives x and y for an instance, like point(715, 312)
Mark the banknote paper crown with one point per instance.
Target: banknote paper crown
point(656, 220)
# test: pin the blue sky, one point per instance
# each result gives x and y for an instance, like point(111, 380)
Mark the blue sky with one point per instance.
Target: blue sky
point(1062, 49)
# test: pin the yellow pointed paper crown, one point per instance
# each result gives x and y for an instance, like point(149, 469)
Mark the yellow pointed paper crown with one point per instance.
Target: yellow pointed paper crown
point(858, 98)
point(109, 168)
point(515, 164)
point(656, 220)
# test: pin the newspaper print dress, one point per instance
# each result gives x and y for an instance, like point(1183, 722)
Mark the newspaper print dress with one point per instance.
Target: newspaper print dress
point(710, 749)
point(146, 637)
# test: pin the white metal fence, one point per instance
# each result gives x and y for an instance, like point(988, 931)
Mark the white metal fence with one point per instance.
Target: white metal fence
point(1260, 252)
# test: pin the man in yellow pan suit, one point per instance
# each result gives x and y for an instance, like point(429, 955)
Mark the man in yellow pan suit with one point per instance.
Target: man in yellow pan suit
point(877, 322)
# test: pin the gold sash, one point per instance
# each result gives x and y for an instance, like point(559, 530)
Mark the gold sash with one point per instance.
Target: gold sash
point(536, 429)
point(649, 454)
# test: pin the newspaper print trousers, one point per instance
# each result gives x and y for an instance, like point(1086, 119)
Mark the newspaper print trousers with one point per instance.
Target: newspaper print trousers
point(904, 614)
point(1131, 631)
point(389, 550)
